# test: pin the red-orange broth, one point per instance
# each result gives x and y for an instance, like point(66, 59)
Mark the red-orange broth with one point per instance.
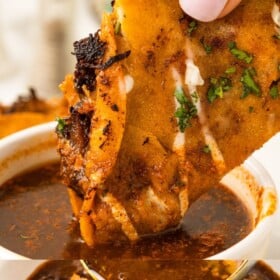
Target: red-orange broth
point(36, 222)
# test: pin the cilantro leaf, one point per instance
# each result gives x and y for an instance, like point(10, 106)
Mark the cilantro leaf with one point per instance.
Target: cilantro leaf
point(180, 96)
point(249, 84)
point(60, 124)
point(240, 54)
point(251, 109)
point(274, 90)
point(192, 27)
point(231, 70)
point(206, 149)
point(218, 87)
point(207, 48)
point(186, 111)
point(195, 96)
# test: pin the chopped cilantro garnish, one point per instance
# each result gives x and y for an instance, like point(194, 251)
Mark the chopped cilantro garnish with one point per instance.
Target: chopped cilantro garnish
point(206, 149)
point(60, 124)
point(241, 55)
point(207, 48)
point(251, 109)
point(213, 81)
point(180, 96)
point(186, 111)
point(217, 88)
point(249, 84)
point(214, 93)
point(231, 70)
point(195, 96)
point(225, 83)
point(192, 27)
point(118, 27)
point(274, 91)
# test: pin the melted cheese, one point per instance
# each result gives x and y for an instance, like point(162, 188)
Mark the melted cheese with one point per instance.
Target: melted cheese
point(120, 215)
point(179, 141)
point(129, 83)
point(180, 149)
point(193, 79)
point(126, 85)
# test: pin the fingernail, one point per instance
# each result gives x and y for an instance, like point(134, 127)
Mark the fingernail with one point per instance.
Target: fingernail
point(231, 5)
point(203, 10)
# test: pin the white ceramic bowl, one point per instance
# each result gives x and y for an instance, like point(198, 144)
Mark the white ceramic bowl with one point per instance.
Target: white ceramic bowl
point(37, 145)
point(23, 151)
point(20, 270)
point(261, 201)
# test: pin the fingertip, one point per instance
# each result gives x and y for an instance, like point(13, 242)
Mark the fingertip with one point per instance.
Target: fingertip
point(203, 10)
point(231, 5)
point(208, 10)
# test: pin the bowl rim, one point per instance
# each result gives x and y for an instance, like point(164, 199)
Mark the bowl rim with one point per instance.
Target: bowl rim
point(265, 225)
point(27, 133)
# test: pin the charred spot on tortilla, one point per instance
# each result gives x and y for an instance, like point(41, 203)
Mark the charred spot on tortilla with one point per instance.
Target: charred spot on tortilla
point(89, 53)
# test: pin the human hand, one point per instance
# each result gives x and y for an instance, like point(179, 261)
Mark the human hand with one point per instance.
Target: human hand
point(208, 10)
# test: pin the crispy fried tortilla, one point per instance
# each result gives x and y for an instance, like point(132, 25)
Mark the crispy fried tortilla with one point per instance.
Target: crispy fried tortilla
point(161, 107)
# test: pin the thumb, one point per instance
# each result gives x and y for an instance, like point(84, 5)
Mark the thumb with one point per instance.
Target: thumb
point(208, 10)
